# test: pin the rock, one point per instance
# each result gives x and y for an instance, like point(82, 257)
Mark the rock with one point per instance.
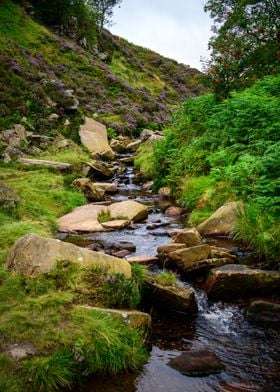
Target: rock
point(165, 192)
point(19, 351)
point(223, 221)
point(89, 189)
point(61, 143)
point(217, 252)
point(98, 170)
point(165, 250)
point(124, 245)
point(34, 255)
point(116, 224)
point(119, 143)
point(134, 318)
point(232, 282)
point(146, 134)
point(128, 160)
point(84, 218)
point(44, 163)
point(134, 145)
point(40, 140)
point(8, 196)
point(145, 260)
point(264, 311)
point(197, 363)
point(94, 137)
point(11, 154)
point(107, 187)
point(121, 253)
point(53, 117)
point(189, 237)
point(70, 102)
point(173, 211)
point(148, 186)
point(190, 255)
point(131, 210)
point(171, 298)
point(67, 122)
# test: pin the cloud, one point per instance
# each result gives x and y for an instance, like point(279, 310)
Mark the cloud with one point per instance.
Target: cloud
point(172, 29)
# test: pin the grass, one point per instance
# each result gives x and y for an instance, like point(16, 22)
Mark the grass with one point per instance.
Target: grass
point(144, 160)
point(166, 278)
point(69, 340)
point(105, 216)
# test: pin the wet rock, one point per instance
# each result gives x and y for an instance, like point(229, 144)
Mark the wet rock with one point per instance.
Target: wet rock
point(223, 221)
point(116, 224)
point(264, 311)
point(45, 163)
point(94, 137)
point(233, 282)
point(124, 245)
point(145, 260)
point(98, 170)
point(170, 298)
point(8, 196)
point(121, 253)
point(128, 160)
point(165, 192)
point(34, 255)
point(134, 318)
point(197, 363)
point(107, 187)
point(188, 256)
point(165, 250)
point(148, 186)
point(217, 252)
point(91, 192)
point(173, 211)
point(189, 237)
point(131, 210)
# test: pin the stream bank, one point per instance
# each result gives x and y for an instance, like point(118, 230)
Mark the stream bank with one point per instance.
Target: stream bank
point(249, 352)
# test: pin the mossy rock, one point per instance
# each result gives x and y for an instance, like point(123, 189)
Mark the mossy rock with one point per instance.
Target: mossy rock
point(8, 196)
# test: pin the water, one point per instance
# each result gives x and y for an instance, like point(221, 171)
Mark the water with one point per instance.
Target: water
point(250, 353)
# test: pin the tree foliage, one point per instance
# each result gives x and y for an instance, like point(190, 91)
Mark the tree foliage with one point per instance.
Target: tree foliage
point(104, 10)
point(245, 44)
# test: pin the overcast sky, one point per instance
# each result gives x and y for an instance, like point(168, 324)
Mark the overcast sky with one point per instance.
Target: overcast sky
point(177, 29)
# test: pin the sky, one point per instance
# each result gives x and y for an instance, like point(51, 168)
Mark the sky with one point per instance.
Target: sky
point(177, 29)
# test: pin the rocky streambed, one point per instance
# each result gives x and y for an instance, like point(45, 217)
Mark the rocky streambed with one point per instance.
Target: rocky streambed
point(206, 346)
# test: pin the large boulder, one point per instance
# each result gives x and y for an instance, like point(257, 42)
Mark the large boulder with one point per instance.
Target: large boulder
point(133, 318)
point(108, 187)
point(94, 137)
point(191, 255)
point(8, 196)
point(223, 221)
point(119, 143)
point(232, 282)
point(98, 170)
point(128, 209)
point(170, 298)
point(35, 255)
point(197, 363)
point(92, 192)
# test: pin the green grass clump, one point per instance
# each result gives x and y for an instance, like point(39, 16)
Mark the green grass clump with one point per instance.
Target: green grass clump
point(144, 160)
point(105, 216)
point(166, 278)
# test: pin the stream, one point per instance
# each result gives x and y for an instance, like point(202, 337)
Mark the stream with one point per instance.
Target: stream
point(250, 352)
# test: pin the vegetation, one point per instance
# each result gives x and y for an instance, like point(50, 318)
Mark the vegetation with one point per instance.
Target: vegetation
point(245, 45)
point(221, 151)
point(166, 278)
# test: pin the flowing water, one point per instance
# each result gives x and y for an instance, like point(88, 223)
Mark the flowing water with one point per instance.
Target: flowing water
point(249, 352)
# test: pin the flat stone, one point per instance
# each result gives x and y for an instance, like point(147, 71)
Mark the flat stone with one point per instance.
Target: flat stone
point(121, 253)
point(173, 211)
point(45, 163)
point(264, 311)
point(84, 218)
point(189, 237)
point(133, 146)
point(116, 224)
point(129, 209)
point(34, 255)
point(233, 281)
point(107, 186)
point(91, 191)
point(94, 137)
point(197, 363)
point(145, 260)
point(190, 255)
point(20, 351)
point(98, 170)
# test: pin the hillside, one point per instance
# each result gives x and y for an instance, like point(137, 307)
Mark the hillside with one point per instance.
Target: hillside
point(124, 86)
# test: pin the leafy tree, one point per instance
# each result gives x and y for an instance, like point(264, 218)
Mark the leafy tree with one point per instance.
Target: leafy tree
point(104, 10)
point(245, 44)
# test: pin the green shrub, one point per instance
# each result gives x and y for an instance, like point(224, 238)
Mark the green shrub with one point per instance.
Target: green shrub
point(166, 278)
point(120, 292)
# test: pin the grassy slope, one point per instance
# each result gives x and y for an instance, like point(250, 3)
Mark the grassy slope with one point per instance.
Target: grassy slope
point(135, 88)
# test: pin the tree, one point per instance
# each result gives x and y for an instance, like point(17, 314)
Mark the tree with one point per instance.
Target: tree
point(104, 10)
point(245, 44)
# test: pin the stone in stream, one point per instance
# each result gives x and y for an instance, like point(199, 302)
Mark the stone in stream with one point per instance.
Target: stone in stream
point(121, 245)
point(94, 137)
point(145, 260)
point(170, 298)
point(98, 170)
point(34, 255)
point(165, 192)
point(119, 143)
point(83, 219)
point(133, 146)
point(121, 253)
point(90, 190)
point(189, 237)
point(173, 211)
point(116, 224)
point(129, 209)
point(232, 282)
point(264, 311)
point(223, 221)
point(190, 255)
point(107, 187)
point(197, 363)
